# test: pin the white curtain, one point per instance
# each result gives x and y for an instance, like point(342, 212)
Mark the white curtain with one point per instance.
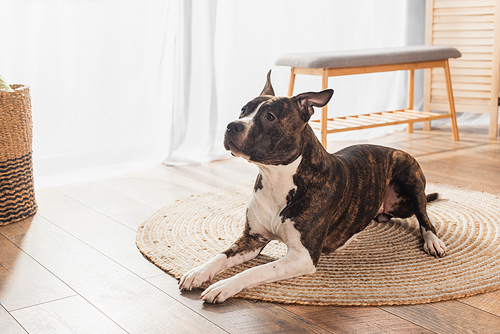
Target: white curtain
point(98, 77)
point(118, 85)
point(194, 88)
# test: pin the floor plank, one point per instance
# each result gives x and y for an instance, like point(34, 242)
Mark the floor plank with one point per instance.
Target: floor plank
point(68, 315)
point(239, 315)
point(473, 168)
point(155, 187)
point(23, 281)
point(223, 173)
point(356, 319)
point(9, 324)
point(134, 219)
point(97, 230)
point(126, 299)
point(101, 199)
point(488, 302)
point(448, 317)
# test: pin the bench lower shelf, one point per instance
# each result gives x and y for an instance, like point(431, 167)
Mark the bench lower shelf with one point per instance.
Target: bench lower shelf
point(405, 116)
point(373, 120)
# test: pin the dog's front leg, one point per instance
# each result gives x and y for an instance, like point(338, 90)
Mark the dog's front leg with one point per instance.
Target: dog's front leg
point(296, 262)
point(244, 249)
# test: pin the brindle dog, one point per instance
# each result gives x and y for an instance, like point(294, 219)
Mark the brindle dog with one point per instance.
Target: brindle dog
point(312, 201)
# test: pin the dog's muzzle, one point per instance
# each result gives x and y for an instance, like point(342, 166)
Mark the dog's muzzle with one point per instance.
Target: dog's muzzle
point(232, 137)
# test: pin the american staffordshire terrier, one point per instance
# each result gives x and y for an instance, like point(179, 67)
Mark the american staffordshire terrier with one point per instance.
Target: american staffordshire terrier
point(312, 201)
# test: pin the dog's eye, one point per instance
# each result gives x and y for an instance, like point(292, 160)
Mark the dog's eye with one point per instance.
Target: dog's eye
point(243, 111)
point(270, 117)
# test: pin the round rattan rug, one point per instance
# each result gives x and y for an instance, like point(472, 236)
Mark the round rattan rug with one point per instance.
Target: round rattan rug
point(385, 265)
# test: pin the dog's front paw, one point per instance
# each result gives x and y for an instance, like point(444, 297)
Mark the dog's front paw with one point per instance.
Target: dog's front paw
point(433, 245)
point(196, 276)
point(220, 291)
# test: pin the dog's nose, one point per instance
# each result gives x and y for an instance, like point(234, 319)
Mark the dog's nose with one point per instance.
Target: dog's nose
point(235, 127)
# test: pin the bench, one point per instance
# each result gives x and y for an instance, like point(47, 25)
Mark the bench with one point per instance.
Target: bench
point(410, 58)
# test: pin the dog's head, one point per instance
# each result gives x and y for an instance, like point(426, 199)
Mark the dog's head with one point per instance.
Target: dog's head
point(269, 128)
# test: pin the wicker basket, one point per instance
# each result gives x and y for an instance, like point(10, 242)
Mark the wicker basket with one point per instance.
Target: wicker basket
point(17, 194)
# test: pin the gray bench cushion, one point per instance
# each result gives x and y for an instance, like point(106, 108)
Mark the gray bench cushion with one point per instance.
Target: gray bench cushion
point(355, 58)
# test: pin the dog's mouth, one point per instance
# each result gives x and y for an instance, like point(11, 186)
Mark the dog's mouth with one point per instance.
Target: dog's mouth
point(231, 146)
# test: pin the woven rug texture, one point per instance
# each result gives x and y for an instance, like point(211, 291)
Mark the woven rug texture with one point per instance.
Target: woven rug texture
point(385, 265)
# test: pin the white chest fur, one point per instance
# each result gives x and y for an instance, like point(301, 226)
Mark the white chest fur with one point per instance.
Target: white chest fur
point(267, 203)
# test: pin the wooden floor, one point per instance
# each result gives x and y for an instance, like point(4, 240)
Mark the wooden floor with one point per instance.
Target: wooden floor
point(75, 268)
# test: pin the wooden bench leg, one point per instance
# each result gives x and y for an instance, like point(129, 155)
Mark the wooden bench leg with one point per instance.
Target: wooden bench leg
point(427, 126)
point(292, 82)
point(411, 88)
point(324, 110)
point(427, 96)
point(493, 130)
point(451, 101)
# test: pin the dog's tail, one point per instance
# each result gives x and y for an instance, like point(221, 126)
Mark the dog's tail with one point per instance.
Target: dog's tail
point(432, 197)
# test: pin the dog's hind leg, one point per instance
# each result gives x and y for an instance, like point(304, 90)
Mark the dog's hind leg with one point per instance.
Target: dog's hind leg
point(432, 244)
point(418, 201)
point(414, 201)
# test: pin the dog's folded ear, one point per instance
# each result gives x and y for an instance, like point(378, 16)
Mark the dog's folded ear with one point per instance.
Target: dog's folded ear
point(268, 88)
point(306, 102)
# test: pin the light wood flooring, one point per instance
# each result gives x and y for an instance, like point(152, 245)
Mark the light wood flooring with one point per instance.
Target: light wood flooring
point(74, 267)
